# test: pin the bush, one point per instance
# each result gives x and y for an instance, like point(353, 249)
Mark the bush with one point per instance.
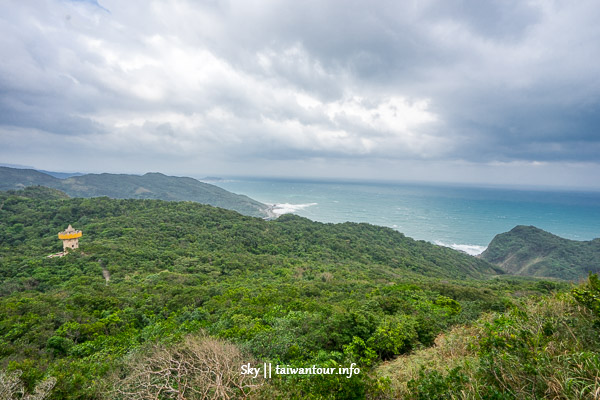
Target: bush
point(12, 387)
point(589, 294)
point(395, 335)
point(541, 348)
point(196, 368)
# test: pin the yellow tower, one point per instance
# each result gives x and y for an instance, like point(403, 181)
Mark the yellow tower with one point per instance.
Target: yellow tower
point(70, 238)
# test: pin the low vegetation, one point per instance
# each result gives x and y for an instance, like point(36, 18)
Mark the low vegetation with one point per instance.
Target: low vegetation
point(545, 347)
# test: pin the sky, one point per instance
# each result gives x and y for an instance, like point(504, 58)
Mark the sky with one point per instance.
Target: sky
point(485, 92)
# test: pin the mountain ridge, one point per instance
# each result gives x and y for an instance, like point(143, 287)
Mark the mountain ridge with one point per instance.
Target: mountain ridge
point(152, 185)
point(531, 251)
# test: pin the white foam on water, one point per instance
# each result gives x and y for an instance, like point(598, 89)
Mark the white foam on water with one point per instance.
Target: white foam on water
point(286, 208)
point(471, 249)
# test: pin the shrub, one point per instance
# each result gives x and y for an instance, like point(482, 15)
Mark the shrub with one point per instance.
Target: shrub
point(395, 335)
point(12, 387)
point(196, 368)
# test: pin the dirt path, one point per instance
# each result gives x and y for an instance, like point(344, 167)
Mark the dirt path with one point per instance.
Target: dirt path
point(105, 272)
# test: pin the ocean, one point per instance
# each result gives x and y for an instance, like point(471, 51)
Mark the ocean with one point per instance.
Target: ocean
point(462, 217)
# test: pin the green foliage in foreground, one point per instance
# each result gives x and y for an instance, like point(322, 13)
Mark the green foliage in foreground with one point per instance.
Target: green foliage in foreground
point(530, 251)
point(151, 275)
point(548, 347)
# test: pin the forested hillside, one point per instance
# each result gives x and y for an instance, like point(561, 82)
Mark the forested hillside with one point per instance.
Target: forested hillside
point(527, 250)
point(154, 283)
point(148, 186)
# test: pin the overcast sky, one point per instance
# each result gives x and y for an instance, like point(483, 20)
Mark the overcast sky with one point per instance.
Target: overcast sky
point(502, 92)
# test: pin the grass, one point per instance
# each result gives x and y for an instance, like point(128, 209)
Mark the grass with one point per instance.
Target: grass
point(541, 348)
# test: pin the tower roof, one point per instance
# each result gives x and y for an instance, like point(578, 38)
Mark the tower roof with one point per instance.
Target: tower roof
point(69, 233)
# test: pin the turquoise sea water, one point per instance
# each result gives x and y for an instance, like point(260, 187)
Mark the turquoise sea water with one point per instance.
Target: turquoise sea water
point(465, 218)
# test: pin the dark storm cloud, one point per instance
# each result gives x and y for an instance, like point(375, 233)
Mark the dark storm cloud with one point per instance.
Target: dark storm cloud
point(473, 81)
point(505, 74)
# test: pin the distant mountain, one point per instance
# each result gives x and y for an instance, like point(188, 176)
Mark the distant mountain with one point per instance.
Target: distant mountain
point(527, 250)
point(148, 186)
point(16, 178)
point(16, 166)
point(61, 175)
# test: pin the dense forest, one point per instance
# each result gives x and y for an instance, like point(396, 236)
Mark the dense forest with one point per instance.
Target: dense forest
point(171, 299)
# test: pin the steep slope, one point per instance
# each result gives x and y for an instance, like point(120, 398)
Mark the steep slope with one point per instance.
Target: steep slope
point(527, 250)
point(148, 186)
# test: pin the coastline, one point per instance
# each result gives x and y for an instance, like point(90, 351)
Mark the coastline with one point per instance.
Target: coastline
point(269, 211)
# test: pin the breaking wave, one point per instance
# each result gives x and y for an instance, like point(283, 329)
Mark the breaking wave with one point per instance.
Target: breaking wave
point(286, 208)
point(471, 249)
